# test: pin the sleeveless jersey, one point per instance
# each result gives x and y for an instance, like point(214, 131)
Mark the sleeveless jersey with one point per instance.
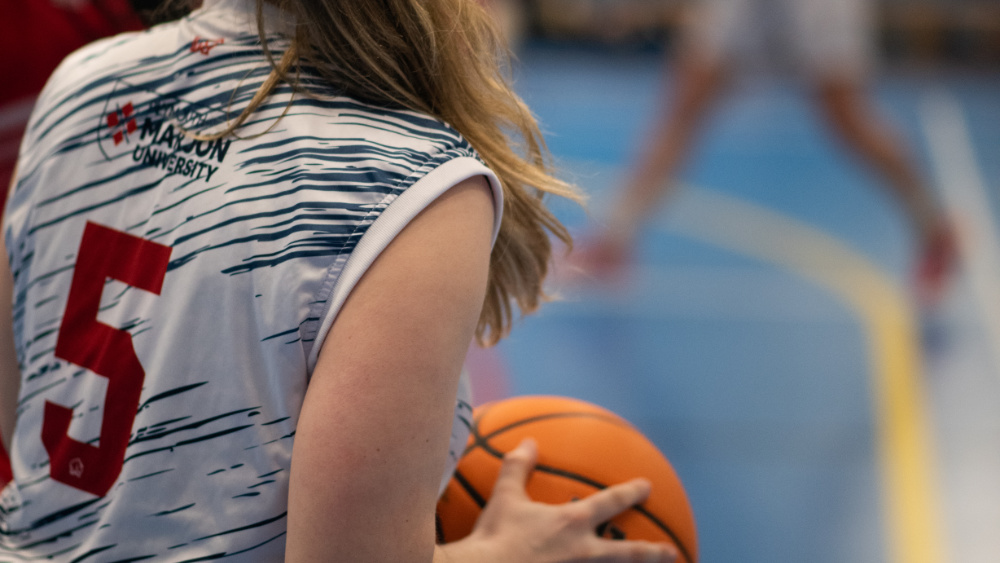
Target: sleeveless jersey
point(172, 292)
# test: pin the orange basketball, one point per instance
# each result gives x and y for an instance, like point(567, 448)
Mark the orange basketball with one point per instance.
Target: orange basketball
point(582, 448)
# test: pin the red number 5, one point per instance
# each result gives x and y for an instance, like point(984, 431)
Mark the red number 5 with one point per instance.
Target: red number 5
point(106, 351)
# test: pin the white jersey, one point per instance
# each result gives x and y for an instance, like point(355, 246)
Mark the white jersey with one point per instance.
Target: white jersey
point(172, 294)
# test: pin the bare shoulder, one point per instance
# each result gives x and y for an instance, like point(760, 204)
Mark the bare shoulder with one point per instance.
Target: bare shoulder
point(383, 391)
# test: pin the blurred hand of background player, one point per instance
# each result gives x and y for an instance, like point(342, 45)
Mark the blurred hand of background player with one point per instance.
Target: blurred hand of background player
point(515, 529)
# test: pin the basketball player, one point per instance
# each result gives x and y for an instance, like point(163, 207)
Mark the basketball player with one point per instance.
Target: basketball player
point(268, 224)
point(830, 45)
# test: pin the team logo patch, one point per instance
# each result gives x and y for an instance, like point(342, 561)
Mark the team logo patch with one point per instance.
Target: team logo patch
point(121, 122)
point(155, 130)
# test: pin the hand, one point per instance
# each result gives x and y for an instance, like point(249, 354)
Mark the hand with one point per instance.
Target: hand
point(514, 529)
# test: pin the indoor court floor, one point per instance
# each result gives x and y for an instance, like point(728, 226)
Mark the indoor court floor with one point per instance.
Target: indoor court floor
point(765, 337)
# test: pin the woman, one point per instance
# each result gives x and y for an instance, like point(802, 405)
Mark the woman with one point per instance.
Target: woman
point(267, 223)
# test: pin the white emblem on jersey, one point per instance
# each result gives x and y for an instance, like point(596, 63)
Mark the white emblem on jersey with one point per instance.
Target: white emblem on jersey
point(76, 467)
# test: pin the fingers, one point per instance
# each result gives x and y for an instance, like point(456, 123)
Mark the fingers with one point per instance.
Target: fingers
point(608, 503)
point(612, 501)
point(517, 466)
point(525, 530)
point(637, 552)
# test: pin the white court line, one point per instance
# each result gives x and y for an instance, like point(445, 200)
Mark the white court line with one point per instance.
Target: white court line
point(963, 191)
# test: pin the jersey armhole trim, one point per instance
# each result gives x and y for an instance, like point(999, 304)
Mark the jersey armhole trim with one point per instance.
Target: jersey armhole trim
point(390, 223)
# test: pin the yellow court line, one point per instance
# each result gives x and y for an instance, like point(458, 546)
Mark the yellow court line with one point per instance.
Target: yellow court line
point(904, 442)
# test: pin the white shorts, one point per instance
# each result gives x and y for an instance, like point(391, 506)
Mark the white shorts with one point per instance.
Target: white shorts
point(820, 38)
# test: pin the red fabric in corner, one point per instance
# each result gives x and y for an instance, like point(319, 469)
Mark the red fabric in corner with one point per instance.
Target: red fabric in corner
point(35, 36)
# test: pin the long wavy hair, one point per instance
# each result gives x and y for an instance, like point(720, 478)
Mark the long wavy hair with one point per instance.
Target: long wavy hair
point(445, 58)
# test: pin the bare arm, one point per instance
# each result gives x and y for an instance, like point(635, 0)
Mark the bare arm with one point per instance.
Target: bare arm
point(372, 437)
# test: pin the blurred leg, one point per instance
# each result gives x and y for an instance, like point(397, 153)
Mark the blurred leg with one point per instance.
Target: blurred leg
point(835, 44)
point(715, 32)
point(697, 85)
point(852, 116)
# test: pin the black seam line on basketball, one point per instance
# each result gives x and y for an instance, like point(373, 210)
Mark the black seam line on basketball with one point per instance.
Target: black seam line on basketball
point(476, 497)
point(480, 439)
point(601, 486)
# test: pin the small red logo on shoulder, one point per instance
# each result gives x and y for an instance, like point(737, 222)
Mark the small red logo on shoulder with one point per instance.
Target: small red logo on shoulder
point(204, 46)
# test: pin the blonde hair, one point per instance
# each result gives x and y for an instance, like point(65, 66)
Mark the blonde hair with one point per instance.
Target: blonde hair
point(444, 58)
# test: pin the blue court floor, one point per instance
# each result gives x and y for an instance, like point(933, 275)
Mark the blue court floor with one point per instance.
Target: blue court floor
point(765, 338)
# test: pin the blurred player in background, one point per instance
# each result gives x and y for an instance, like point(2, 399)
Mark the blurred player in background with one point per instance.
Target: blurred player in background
point(830, 44)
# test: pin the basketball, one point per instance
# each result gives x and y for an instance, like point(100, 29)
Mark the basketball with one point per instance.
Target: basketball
point(582, 448)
